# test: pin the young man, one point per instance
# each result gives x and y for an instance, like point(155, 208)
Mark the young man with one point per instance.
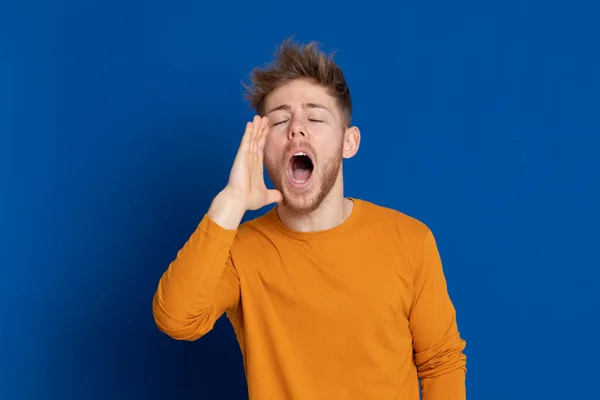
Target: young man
point(330, 297)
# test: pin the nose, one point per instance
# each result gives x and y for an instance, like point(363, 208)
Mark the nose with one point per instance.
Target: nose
point(296, 129)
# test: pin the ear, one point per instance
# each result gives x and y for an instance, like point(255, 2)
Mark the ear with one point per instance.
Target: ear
point(351, 142)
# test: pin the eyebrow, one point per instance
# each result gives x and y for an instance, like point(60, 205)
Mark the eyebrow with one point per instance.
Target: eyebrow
point(287, 107)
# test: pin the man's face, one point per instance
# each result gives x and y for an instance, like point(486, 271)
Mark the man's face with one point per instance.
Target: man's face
point(303, 151)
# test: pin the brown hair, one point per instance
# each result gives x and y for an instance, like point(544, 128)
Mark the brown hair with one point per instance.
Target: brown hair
point(300, 61)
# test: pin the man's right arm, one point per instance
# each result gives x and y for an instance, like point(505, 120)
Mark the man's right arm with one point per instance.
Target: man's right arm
point(201, 283)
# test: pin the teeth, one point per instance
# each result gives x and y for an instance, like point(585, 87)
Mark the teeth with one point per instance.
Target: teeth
point(299, 181)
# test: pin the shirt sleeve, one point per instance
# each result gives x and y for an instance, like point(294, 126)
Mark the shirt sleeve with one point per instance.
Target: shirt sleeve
point(199, 285)
point(438, 347)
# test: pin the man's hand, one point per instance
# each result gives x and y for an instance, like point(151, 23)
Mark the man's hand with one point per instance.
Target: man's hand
point(246, 189)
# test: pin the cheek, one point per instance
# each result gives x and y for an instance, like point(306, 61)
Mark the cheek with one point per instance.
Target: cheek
point(269, 145)
point(330, 146)
point(272, 152)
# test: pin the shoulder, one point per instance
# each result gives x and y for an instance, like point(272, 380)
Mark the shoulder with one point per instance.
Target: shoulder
point(400, 231)
point(256, 229)
point(408, 228)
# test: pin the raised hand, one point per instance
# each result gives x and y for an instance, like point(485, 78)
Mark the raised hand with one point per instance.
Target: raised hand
point(246, 179)
point(246, 189)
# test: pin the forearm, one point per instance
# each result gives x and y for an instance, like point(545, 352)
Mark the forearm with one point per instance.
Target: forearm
point(438, 345)
point(185, 300)
point(450, 386)
point(442, 368)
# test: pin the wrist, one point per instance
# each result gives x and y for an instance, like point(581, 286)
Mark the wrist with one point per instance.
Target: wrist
point(227, 209)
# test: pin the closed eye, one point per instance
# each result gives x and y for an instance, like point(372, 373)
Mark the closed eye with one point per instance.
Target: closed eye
point(314, 120)
point(280, 122)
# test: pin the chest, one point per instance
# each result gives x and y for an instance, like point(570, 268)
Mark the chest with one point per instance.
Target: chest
point(318, 283)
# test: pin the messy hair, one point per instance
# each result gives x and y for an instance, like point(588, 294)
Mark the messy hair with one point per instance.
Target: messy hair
point(299, 61)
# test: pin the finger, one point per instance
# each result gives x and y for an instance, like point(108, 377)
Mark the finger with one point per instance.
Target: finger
point(258, 126)
point(262, 142)
point(255, 133)
point(264, 123)
point(247, 136)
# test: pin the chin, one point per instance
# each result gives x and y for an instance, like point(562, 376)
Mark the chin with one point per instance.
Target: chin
point(309, 198)
point(302, 202)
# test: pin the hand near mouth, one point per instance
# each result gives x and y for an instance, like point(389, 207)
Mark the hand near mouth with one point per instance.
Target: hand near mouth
point(246, 180)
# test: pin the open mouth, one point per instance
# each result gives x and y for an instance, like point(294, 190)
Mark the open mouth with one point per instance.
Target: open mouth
point(301, 168)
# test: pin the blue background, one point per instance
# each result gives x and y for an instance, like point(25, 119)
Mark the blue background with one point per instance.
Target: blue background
point(119, 122)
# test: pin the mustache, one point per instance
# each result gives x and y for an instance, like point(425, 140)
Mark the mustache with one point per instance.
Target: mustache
point(300, 144)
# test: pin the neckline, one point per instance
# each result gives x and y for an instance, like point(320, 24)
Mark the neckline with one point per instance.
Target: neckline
point(318, 235)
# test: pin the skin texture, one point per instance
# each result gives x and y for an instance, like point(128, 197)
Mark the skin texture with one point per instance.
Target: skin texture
point(304, 116)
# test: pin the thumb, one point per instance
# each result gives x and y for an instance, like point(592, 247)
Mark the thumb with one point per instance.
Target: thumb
point(274, 196)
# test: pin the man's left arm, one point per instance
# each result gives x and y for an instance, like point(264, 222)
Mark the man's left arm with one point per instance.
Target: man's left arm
point(438, 347)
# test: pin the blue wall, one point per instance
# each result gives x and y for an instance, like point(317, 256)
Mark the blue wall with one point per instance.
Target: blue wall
point(119, 122)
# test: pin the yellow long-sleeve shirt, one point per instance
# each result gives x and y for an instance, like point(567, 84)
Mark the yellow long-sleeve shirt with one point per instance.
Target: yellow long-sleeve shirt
point(360, 311)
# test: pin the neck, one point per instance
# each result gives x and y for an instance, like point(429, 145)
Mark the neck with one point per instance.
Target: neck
point(333, 211)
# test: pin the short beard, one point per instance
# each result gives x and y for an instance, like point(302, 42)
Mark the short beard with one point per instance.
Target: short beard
point(306, 203)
